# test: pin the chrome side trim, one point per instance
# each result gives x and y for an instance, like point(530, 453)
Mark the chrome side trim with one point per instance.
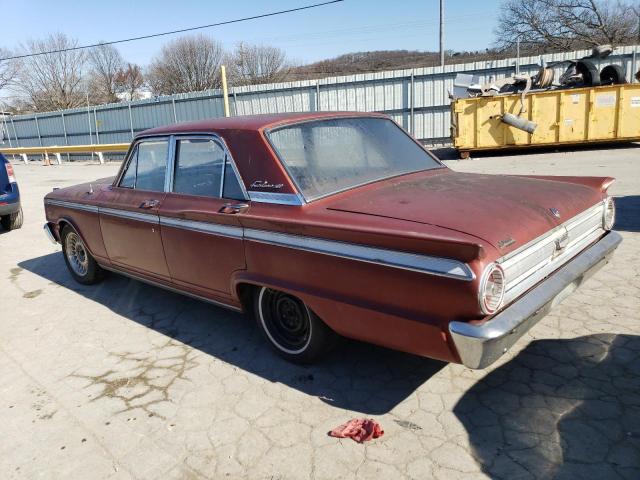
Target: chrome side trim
point(273, 197)
point(49, 234)
point(142, 217)
point(171, 289)
point(73, 205)
point(480, 345)
point(444, 267)
point(440, 266)
point(203, 227)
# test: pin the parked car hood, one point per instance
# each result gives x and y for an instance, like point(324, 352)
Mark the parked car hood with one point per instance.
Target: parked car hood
point(505, 211)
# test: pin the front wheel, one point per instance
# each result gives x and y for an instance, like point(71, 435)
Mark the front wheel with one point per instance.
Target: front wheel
point(292, 329)
point(80, 263)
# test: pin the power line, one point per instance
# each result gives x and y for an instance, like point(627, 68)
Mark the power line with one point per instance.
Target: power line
point(369, 29)
point(173, 32)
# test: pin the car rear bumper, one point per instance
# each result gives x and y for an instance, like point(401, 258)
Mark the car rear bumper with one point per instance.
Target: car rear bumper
point(9, 200)
point(8, 208)
point(479, 345)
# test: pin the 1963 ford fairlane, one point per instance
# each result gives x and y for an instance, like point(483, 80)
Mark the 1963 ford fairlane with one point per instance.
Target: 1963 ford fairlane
point(338, 223)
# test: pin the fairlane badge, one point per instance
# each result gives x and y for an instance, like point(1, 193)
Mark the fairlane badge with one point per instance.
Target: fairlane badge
point(266, 184)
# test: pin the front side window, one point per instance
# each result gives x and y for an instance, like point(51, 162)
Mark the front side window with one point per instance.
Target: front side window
point(328, 156)
point(129, 177)
point(147, 166)
point(199, 167)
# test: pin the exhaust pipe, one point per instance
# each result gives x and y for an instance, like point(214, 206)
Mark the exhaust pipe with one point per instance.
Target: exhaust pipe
point(519, 123)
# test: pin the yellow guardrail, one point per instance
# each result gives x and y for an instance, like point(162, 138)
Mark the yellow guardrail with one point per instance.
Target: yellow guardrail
point(57, 150)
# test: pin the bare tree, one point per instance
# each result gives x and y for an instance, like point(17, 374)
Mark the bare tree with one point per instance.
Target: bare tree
point(8, 69)
point(53, 81)
point(565, 24)
point(128, 81)
point(186, 64)
point(251, 64)
point(105, 62)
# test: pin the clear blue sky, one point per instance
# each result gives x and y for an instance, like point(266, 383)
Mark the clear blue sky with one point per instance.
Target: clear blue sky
point(354, 25)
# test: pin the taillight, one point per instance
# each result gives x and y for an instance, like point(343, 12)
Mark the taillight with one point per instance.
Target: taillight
point(10, 174)
point(609, 214)
point(492, 288)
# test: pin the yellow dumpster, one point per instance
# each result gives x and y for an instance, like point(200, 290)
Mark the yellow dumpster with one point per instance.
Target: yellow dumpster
point(563, 117)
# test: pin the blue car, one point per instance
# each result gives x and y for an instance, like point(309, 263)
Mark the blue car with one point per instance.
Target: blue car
point(10, 208)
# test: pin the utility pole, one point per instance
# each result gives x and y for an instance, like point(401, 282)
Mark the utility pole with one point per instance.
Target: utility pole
point(635, 55)
point(442, 33)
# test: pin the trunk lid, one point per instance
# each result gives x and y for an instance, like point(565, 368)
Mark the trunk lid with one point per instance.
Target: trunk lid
point(505, 211)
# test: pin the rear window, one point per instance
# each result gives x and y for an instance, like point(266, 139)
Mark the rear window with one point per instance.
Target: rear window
point(329, 156)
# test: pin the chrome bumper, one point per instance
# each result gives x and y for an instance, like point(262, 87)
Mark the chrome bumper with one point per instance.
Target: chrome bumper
point(481, 345)
point(49, 234)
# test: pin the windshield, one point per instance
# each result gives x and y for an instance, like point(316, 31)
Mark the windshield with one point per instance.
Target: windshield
point(328, 156)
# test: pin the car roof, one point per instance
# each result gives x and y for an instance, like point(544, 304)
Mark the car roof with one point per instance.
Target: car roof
point(250, 122)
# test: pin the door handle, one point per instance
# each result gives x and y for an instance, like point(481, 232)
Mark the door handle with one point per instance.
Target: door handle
point(233, 208)
point(147, 204)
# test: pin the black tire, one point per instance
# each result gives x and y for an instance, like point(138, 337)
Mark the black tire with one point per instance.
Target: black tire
point(291, 328)
point(613, 75)
point(12, 221)
point(589, 72)
point(82, 266)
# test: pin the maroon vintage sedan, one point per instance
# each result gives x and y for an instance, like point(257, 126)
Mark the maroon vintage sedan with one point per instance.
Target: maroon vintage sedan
point(338, 223)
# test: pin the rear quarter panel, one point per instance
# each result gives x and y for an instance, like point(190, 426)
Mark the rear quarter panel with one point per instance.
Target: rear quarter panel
point(401, 309)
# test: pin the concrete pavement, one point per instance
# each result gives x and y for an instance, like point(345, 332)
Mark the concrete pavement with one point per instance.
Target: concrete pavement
point(123, 380)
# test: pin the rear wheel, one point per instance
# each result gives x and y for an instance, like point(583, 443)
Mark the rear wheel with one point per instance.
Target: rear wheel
point(12, 221)
point(292, 329)
point(80, 263)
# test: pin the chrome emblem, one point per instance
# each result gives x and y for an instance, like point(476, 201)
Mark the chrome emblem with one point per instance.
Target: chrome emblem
point(555, 212)
point(266, 184)
point(506, 242)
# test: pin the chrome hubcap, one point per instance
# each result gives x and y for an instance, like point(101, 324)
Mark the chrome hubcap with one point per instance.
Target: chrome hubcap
point(76, 254)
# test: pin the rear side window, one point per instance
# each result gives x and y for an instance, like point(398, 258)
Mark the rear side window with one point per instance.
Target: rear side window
point(147, 167)
point(232, 188)
point(199, 167)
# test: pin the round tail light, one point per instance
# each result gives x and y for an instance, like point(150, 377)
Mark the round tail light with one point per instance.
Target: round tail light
point(492, 287)
point(609, 214)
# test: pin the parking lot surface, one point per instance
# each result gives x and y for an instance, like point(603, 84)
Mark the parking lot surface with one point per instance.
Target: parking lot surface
point(125, 380)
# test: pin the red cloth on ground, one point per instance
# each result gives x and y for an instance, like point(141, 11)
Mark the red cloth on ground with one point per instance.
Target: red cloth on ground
point(359, 429)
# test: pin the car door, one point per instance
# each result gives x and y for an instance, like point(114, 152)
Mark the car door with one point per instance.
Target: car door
point(201, 231)
point(129, 217)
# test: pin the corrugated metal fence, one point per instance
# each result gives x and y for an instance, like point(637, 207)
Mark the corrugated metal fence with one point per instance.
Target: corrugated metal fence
point(417, 99)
